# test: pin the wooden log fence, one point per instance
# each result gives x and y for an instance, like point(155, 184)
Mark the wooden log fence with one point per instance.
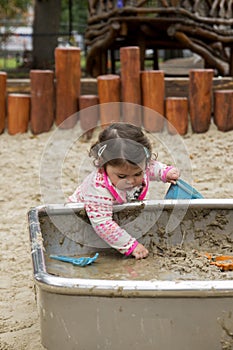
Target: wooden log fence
point(223, 109)
point(55, 96)
point(88, 116)
point(18, 113)
point(200, 98)
point(42, 100)
point(153, 92)
point(109, 92)
point(130, 84)
point(177, 115)
point(68, 74)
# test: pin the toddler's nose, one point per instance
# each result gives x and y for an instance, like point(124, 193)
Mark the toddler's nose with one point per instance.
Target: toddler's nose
point(130, 181)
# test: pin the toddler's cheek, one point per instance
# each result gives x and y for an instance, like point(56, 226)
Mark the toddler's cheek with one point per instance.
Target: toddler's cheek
point(120, 184)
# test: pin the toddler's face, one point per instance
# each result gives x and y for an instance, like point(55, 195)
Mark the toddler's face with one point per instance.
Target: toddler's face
point(127, 176)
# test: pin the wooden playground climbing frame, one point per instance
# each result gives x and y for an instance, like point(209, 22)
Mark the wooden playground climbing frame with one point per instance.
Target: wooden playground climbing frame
point(205, 27)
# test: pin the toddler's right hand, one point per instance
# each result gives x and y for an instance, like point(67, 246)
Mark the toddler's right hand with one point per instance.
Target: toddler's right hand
point(140, 252)
point(172, 175)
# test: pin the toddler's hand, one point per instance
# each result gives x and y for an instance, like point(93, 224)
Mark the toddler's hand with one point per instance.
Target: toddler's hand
point(140, 252)
point(172, 175)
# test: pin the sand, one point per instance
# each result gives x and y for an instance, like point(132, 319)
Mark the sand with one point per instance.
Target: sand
point(210, 156)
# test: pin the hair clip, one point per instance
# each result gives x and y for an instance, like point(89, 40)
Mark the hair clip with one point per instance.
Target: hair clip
point(147, 153)
point(101, 150)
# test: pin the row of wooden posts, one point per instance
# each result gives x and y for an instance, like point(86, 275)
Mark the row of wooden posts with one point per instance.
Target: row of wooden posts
point(55, 96)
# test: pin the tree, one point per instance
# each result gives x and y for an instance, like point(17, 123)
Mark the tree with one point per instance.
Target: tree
point(45, 32)
point(12, 12)
point(49, 17)
point(10, 9)
point(75, 11)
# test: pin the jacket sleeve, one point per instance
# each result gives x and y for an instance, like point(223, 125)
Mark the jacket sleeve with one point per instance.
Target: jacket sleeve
point(158, 171)
point(99, 208)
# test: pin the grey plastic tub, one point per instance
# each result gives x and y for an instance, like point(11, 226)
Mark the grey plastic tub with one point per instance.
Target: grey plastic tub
point(83, 312)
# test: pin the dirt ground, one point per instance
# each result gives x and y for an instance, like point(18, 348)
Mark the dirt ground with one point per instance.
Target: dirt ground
point(22, 178)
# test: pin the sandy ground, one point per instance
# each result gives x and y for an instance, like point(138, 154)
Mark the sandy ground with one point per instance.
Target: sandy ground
point(210, 155)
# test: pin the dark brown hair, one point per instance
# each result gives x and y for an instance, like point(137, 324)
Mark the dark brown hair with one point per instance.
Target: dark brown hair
point(120, 143)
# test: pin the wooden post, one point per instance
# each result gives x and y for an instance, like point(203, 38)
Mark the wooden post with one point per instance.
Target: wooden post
point(3, 78)
point(68, 74)
point(88, 115)
point(130, 84)
point(109, 98)
point(42, 100)
point(177, 115)
point(200, 98)
point(18, 113)
point(153, 94)
point(223, 109)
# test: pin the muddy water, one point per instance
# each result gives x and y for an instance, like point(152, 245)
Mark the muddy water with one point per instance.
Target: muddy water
point(174, 263)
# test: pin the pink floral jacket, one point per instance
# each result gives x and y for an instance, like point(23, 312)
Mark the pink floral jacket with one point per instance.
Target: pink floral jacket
point(99, 195)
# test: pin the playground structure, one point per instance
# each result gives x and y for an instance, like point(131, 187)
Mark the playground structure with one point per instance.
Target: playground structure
point(205, 27)
point(54, 97)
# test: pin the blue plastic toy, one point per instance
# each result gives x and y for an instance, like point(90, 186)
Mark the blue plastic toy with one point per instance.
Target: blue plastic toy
point(83, 261)
point(182, 190)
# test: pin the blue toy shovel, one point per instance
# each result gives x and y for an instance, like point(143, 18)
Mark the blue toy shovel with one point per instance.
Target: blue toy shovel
point(182, 190)
point(83, 261)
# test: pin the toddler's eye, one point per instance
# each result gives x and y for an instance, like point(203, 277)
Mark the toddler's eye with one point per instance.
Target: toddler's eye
point(121, 176)
point(139, 174)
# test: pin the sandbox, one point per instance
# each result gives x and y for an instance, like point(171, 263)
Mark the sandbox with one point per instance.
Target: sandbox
point(174, 299)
